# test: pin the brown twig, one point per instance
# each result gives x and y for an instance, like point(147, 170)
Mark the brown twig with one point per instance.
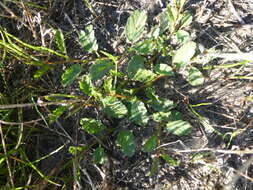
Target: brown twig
point(7, 159)
point(239, 152)
point(42, 104)
point(19, 123)
point(235, 13)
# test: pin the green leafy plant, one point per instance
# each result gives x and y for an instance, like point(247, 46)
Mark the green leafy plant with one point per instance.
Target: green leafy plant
point(135, 26)
point(114, 95)
point(92, 126)
point(99, 156)
point(124, 88)
point(87, 39)
point(125, 140)
point(150, 144)
point(122, 91)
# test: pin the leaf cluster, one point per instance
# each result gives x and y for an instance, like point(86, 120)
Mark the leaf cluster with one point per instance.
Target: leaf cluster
point(128, 92)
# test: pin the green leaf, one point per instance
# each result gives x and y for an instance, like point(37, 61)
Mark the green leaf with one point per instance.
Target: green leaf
point(108, 86)
point(185, 53)
point(182, 3)
point(172, 14)
point(113, 107)
point(157, 103)
point(169, 160)
point(150, 92)
point(135, 63)
point(195, 77)
point(163, 69)
point(60, 41)
point(117, 73)
point(162, 104)
point(138, 113)
point(164, 22)
point(70, 75)
point(88, 88)
point(136, 70)
point(99, 156)
point(162, 47)
point(182, 36)
point(151, 144)
point(144, 75)
point(154, 32)
point(76, 149)
point(135, 26)
point(186, 20)
point(179, 127)
point(167, 116)
point(144, 47)
point(100, 69)
point(88, 40)
point(57, 113)
point(154, 166)
point(85, 85)
point(161, 116)
point(175, 115)
point(126, 141)
point(92, 126)
point(41, 71)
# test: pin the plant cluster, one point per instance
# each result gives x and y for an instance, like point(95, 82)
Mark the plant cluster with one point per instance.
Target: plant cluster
point(112, 95)
point(124, 86)
point(121, 86)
